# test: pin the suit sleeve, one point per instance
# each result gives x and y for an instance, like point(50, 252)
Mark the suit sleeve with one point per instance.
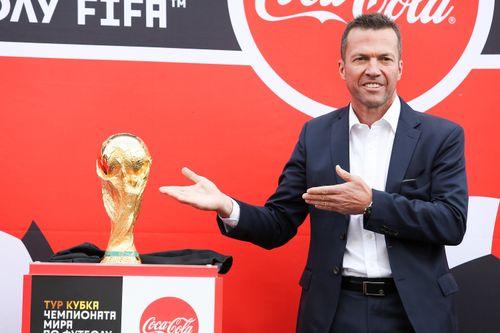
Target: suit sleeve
point(431, 208)
point(275, 223)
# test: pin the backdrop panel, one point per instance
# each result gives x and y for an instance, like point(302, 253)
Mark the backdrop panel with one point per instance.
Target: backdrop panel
point(222, 87)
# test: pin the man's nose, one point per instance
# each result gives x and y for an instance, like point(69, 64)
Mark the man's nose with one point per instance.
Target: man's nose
point(373, 68)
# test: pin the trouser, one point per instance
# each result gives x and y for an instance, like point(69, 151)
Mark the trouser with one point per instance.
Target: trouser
point(357, 313)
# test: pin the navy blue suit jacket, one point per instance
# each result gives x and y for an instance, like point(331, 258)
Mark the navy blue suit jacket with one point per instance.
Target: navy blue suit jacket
point(423, 208)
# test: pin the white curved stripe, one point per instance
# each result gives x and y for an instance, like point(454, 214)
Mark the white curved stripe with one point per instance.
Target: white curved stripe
point(127, 53)
point(468, 60)
point(478, 238)
point(266, 73)
point(488, 61)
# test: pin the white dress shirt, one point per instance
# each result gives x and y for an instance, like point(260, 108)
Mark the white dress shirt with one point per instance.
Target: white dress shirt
point(369, 157)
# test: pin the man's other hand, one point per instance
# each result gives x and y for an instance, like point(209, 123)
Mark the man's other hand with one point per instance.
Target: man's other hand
point(351, 197)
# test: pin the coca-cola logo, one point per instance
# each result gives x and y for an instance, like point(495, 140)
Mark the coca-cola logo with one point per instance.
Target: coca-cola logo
point(293, 45)
point(415, 11)
point(169, 315)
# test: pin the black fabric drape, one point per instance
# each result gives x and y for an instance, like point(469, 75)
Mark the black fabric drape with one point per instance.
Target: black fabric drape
point(90, 253)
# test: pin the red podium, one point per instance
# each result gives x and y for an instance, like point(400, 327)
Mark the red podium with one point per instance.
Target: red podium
point(94, 298)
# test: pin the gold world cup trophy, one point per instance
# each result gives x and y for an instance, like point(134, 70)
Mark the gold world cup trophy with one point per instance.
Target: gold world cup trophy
point(123, 166)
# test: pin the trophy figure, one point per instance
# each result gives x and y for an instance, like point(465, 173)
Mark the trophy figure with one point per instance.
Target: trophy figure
point(123, 166)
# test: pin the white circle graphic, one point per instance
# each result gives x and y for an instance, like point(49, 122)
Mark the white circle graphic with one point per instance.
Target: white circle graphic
point(309, 106)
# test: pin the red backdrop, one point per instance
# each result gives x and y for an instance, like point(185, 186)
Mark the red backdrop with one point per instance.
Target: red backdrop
point(224, 122)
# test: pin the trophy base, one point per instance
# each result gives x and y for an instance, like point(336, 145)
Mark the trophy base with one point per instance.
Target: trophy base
point(117, 258)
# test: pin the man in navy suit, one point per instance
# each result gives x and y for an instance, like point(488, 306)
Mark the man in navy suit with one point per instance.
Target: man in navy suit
point(376, 259)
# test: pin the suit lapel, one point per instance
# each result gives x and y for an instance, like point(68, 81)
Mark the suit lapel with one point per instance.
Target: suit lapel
point(405, 140)
point(339, 142)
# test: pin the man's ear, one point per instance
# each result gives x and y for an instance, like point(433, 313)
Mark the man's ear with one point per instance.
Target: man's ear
point(342, 69)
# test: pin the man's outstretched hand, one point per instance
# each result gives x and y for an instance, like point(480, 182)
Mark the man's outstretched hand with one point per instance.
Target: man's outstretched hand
point(203, 194)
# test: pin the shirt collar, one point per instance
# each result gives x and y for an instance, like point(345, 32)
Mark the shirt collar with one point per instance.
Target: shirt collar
point(391, 116)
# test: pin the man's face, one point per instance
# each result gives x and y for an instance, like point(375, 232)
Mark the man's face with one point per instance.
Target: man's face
point(371, 68)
